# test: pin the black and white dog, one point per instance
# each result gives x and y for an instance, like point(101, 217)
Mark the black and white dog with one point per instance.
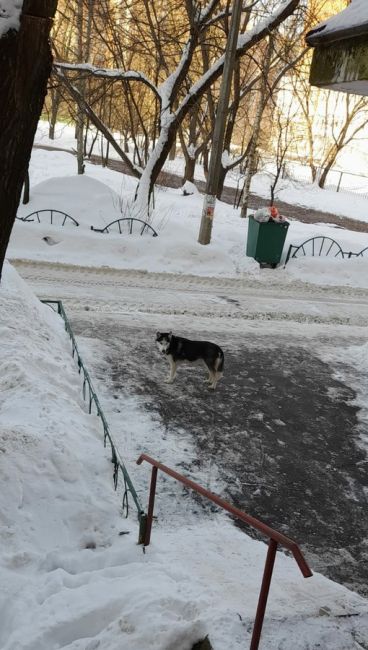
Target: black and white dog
point(178, 350)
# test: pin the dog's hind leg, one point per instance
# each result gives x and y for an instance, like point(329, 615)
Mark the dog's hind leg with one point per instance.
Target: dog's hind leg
point(217, 372)
point(215, 376)
point(172, 373)
point(212, 378)
point(214, 381)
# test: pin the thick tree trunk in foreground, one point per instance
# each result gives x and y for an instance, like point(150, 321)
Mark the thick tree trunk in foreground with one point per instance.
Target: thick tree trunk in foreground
point(25, 64)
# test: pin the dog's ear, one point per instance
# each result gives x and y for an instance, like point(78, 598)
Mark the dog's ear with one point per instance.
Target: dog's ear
point(158, 334)
point(170, 336)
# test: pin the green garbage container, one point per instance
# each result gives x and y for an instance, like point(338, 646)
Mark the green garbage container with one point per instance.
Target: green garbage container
point(266, 240)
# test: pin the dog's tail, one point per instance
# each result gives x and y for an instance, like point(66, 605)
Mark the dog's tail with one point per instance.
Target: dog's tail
point(219, 362)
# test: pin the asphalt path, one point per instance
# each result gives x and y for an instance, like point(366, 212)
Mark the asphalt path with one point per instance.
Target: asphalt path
point(283, 431)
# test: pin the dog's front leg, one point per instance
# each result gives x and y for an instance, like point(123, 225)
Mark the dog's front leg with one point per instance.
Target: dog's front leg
point(172, 373)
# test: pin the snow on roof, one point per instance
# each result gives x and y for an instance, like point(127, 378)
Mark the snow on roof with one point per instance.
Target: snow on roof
point(9, 15)
point(352, 21)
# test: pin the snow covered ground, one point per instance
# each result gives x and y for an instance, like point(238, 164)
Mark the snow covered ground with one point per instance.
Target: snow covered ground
point(102, 195)
point(69, 580)
point(352, 164)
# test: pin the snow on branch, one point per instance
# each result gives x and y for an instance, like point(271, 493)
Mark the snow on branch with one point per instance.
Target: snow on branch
point(107, 73)
point(229, 162)
point(9, 15)
point(166, 89)
point(204, 14)
point(268, 24)
point(245, 42)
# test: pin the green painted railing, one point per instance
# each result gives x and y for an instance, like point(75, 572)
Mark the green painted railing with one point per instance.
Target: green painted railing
point(90, 395)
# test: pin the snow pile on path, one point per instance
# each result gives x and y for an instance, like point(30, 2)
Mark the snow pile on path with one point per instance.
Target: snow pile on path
point(69, 580)
point(85, 199)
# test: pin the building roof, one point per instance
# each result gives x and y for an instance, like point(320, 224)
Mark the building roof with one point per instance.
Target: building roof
point(349, 23)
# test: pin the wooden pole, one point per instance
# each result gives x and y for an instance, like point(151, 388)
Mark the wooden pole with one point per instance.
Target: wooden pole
point(209, 202)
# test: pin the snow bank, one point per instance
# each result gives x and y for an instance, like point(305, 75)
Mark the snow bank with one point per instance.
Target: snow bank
point(86, 199)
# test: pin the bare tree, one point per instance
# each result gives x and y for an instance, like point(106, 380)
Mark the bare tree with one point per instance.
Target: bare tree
point(175, 100)
point(282, 138)
point(354, 119)
point(326, 122)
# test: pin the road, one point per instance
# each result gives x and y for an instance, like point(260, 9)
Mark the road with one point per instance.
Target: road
point(283, 430)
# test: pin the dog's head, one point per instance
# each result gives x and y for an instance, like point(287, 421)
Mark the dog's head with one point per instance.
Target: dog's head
point(163, 340)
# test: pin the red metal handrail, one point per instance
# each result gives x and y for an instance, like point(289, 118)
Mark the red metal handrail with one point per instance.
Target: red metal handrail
point(274, 536)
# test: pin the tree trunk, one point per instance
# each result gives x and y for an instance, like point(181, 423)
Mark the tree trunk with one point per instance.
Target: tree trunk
point(252, 156)
point(79, 124)
point(221, 181)
point(55, 103)
point(205, 162)
point(26, 189)
point(25, 63)
point(231, 119)
point(323, 176)
point(190, 163)
point(150, 173)
point(208, 210)
point(172, 154)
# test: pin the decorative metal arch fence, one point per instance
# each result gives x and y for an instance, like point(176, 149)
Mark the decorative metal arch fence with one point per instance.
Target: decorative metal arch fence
point(90, 395)
point(129, 225)
point(50, 213)
point(321, 246)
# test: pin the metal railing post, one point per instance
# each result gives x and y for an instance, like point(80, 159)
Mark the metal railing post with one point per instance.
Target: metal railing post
point(151, 505)
point(339, 183)
point(263, 594)
point(142, 528)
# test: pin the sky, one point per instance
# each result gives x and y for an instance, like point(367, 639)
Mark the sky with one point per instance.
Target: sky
point(70, 579)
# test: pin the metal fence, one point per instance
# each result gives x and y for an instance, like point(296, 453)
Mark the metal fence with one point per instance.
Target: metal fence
point(90, 395)
point(337, 180)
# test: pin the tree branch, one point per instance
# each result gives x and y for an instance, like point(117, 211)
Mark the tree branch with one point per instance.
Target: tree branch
point(107, 73)
point(88, 110)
